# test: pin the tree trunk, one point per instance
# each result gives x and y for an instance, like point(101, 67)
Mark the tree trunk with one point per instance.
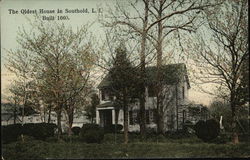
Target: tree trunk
point(71, 120)
point(143, 72)
point(125, 123)
point(49, 116)
point(142, 89)
point(160, 123)
point(160, 97)
point(44, 115)
point(59, 125)
point(235, 137)
point(142, 115)
point(248, 119)
point(177, 104)
point(15, 115)
point(23, 114)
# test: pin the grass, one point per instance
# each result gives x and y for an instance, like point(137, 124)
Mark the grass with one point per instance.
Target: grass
point(165, 148)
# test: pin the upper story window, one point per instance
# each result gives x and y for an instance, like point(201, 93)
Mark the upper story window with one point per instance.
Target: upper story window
point(152, 91)
point(106, 95)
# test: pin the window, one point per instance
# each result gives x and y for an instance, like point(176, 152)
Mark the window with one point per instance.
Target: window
point(133, 117)
point(147, 117)
point(106, 95)
point(153, 114)
point(150, 116)
point(103, 94)
point(131, 121)
point(152, 91)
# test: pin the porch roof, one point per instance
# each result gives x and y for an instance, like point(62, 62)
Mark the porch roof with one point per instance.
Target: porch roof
point(106, 104)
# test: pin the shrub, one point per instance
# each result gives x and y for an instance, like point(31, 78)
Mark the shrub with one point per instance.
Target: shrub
point(76, 130)
point(88, 126)
point(39, 131)
point(213, 128)
point(113, 128)
point(188, 126)
point(207, 131)
point(10, 133)
point(91, 133)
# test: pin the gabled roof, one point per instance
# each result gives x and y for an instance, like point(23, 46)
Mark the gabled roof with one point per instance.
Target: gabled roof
point(172, 74)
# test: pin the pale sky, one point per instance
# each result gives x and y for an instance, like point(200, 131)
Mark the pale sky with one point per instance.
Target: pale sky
point(11, 22)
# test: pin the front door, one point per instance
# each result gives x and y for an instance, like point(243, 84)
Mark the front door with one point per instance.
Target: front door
point(105, 117)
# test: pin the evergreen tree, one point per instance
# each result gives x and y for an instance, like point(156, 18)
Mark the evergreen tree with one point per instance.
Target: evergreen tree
point(123, 81)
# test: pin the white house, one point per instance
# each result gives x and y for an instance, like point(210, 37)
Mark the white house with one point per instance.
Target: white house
point(175, 91)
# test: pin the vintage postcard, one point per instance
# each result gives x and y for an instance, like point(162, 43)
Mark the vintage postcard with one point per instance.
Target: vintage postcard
point(124, 79)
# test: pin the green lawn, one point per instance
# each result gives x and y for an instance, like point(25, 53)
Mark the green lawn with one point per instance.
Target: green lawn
point(168, 148)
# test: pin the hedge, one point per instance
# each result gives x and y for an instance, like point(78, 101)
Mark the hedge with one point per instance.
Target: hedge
point(76, 130)
point(10, 133)
point(41, 131)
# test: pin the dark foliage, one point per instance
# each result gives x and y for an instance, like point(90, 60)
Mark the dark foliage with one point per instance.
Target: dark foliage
point(39, 131)
point(76, 130)
point(188, 124)
point(207, 131)
point(113, 128)
point(91, 133)
point(10, 133)
point(88, 126)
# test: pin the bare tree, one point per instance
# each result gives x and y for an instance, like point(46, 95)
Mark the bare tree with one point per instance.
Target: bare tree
point(171, 18)
point(140, 17)
point(19, 65)
point(51, 50)
point(77, 87)
point(221, 60)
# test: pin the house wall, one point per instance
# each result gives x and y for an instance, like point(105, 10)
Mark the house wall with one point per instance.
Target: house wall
point(171, 112)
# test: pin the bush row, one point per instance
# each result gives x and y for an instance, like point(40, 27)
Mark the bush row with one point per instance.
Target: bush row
point(90, 133)
point(93, 133)
point(40, 131)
